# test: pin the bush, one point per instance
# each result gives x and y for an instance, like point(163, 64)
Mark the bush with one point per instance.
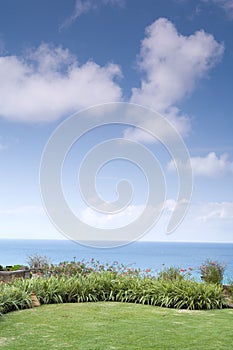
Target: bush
point(110, 286)
point(38, 262)
point(18, 267)
point(170, 274)
point(13, 297)
point(212, 272)
point(230, 288)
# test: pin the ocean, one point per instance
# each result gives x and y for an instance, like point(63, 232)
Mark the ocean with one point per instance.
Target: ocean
point(144, 255)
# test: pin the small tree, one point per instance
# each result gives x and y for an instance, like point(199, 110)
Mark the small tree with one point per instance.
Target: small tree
point(212, 272)
point(38, 262)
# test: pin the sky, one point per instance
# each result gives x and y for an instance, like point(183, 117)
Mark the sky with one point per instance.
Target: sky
point(59, 57)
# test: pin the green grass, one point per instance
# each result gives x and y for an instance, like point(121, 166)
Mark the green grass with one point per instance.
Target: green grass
point(110, 325)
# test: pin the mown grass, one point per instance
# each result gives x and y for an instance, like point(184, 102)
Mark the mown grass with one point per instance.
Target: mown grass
point(119, 326)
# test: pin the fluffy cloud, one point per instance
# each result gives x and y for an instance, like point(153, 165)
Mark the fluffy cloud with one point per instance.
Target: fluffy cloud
point(209, 166)
point(122, 218)
point(49, 83)
point(172, 64)
point(180, 122)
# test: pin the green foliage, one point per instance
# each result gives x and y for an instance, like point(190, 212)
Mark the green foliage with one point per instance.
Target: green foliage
point(13, 297)
point(84, 267)
point(110, 286)
point(173, 274)
point(91, 281)
point(212, 272)
point(230, 289)
point(18, 267)
point(170, 274)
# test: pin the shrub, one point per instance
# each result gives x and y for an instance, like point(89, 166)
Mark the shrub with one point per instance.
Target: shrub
point(13, 297)
point(171, 274)
point(110, 286)
point(84, 267)
point(230, 288)
point(212, 272)
point(38, 262)
point(18, 267)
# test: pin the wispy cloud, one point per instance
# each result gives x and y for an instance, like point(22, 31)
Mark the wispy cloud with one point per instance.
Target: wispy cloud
point(84, 6)
point(226, 5)
point(204, 211)
point(215, 210)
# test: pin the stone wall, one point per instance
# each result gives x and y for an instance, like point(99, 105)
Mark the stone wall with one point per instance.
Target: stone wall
point(7, 276)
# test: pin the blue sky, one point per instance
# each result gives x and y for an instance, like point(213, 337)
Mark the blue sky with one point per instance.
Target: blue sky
point(174, 56)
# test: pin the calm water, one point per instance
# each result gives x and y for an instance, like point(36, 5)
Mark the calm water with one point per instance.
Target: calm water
point(139, 254)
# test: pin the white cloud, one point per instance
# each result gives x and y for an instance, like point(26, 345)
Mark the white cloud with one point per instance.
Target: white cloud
point(138, 135)
point(210, 166)
point(205, 221)
point(180, 122)
point(49, 83)
point(172, 64)
point(215, 210)
point(203, 211)
point(122, 218)
point(84, 6)
point(126, 216)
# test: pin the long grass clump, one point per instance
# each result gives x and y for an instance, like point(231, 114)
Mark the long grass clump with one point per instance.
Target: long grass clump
point(110, 286)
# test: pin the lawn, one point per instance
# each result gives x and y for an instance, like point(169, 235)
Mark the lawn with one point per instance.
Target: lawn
point(110, 325)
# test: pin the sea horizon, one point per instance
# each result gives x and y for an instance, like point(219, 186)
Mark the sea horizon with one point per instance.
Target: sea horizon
point(139, 254)
point(78, 242)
